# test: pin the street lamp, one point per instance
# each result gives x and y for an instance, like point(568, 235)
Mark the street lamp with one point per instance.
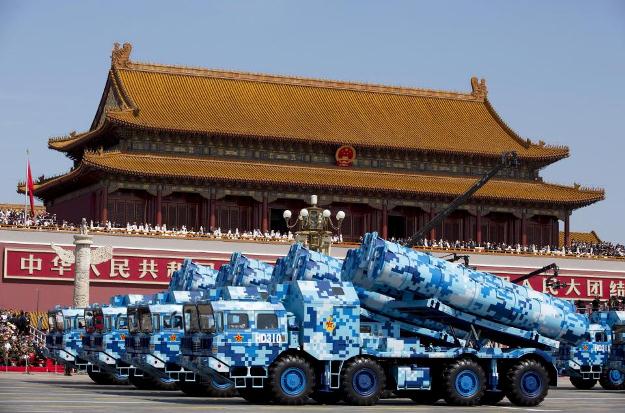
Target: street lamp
point(315, 226)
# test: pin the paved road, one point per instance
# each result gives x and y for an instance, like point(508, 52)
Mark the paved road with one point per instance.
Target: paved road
point(40, 393)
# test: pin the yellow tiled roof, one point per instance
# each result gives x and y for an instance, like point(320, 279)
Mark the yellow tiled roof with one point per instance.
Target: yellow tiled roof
point(146, 165)
point(309, 110)
point(588, 237)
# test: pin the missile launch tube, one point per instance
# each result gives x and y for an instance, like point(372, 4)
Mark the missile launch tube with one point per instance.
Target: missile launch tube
point(393, 270)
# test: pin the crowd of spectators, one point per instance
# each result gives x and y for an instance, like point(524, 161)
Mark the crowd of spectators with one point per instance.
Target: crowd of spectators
point(18, 346)
point(43, 220)
point(577, 249)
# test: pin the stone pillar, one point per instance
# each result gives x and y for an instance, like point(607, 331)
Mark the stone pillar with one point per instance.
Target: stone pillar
point(104, 199)
point(384, 221)
point(265, 218)
point(159, 207)
point(82, 254)
point(567, 229)
point(212, 219)
point(478, 226)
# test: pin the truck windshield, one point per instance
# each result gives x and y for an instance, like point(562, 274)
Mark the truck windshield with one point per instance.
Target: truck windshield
point(206, 318)
point(191, 324)
point(89, 321)
point(145, 320)
point(51, 322)
point(133, 321)
point(122, 322)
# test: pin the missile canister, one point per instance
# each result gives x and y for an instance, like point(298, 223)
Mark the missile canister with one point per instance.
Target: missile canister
point(394, 270)
point(306, 265)
point(242, 271)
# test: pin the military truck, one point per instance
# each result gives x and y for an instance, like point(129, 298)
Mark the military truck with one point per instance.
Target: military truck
point(391, 319)
point(64, 339)
point(106, 328)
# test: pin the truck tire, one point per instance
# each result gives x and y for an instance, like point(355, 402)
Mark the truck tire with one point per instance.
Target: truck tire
point(327, 397)
point(583, 384)
point(362, 382)
point(221, 389)
point(492, 398)
point(255, 396)
point(612, 379)
point(463, 383)
point(291, 380)
point(98, 378)
point(140, 382)
point(527, 383)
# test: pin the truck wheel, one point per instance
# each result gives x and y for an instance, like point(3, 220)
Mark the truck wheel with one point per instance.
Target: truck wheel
point(527, 383)
point(362, 382)
point(463, 383)
point(491, 398)
point(291, 380)
point(98, 378)
point(254, 396)
point(583, 384)
point(193, 389)
point(612, 379)
point(221, 388)
point(140, 382)
point(327, 397)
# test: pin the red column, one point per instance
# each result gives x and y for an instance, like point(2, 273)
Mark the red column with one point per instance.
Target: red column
point(523, 229)
point(265, 220)
point(567, 230)
point(159, 207)
point(104, 212)
point(212, 221)
point(478, 226)
point(384, 221)
point(433, 230)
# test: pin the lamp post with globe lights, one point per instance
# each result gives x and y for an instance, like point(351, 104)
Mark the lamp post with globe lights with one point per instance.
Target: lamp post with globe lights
point(315, 226)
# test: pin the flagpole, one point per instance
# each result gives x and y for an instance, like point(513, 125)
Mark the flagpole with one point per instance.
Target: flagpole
point(26, 190)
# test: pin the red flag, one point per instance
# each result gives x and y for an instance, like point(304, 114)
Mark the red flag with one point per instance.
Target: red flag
point(31, 189)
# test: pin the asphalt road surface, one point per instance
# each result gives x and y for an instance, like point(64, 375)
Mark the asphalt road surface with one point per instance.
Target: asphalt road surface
point(38, 393)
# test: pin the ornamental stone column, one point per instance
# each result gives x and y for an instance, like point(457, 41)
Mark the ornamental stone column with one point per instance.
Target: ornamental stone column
point(83, 258)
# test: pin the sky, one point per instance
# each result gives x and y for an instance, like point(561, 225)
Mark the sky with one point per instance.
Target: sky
point(555, 70)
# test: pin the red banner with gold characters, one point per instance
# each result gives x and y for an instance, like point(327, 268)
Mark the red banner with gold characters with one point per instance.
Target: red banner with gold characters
point(154, 267)
point(140, 267)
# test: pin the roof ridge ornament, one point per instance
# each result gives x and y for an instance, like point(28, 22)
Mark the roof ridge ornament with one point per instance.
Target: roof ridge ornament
point(478, 88)
point(120, 56)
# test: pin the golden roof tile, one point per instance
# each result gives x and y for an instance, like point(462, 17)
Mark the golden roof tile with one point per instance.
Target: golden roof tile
point(197, 100)
point(218, 170)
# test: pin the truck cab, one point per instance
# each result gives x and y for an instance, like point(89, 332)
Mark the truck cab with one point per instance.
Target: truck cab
point(585, 362)
point(64, 341)
point(106, 328)
point(153, 344)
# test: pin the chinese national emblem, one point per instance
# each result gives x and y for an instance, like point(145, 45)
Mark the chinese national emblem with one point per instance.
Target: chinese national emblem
point(329, 325)
point(345, 156)
point(238, 338)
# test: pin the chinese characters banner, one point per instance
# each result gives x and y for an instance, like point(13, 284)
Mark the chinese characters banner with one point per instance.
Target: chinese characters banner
point(129, 268)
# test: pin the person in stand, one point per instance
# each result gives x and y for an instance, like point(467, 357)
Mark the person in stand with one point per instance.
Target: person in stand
point(613, 303)
point(596, 303)
point(623, 302)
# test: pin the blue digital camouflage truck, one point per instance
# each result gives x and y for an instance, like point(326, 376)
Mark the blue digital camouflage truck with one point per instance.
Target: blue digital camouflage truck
point(388, 318)
point(103, 343)
point(64, 339)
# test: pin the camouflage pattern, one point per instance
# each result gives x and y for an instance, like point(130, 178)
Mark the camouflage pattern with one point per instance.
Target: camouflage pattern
point(412, 378)
point(328, 314)
point(67, 345)
point(394, 270)
point(192, 276)
point(587, 359)
point(304, 264)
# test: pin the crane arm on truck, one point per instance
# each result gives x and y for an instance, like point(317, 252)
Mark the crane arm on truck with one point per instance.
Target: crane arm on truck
point(552, 280)
point(507, 160)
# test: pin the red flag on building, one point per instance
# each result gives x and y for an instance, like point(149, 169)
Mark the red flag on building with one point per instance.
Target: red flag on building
point(30, 188)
